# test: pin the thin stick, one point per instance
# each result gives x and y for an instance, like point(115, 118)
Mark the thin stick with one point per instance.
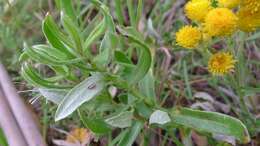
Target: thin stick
point(21, 113)
point(9, 125)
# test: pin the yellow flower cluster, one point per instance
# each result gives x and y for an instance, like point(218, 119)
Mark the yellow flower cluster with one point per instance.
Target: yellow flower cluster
point(222, 20)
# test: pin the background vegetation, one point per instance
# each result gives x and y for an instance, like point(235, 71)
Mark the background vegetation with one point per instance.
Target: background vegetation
point(177, 77)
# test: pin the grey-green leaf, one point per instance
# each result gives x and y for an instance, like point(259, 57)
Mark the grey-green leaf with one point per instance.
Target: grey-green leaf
point(81, 93)
point(159, 117)
point(211, 122)
point(121, 120)
point(54, 95)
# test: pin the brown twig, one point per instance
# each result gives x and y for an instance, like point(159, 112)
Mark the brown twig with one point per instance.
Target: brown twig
point(172, 13)
point(21, 113)
point(165, 68)
point(9, 125)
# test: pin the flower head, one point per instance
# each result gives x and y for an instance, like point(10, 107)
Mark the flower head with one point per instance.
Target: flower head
point(188, 37)
point(248, 22)
point(197, 9)
point(221, 63)
point(220, 22)
point(228, 3)
point(252, 5)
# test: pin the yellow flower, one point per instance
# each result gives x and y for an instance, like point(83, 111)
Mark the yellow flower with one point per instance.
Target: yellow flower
point(221, 63)
point(228, 3)
point(247, 21)
point(197, 9)
point(188, 37)
point(252, 5)
point(220, 22)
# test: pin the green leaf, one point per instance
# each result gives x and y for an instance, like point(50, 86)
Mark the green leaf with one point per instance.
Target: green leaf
point(94, 35)
point(145, 57)
point(96, 125)
point(121, 120)
point(55, 37)
point(118, 137)
point(139, 11)
point(130, 137)
point(131, 13)
point(119, 12)
point(211, 122)
point(147, 86)
point(67, 7)
point(108, 43)
point(121, 58)
point(54, 95)
point(49, 55)
point(31, 76)
point(159, 117)
point(108, 18)
point(81, 93)
point(143, 109)
point(72, 29)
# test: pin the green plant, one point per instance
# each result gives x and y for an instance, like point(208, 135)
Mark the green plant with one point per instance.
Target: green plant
point(88, 62)
point(3, 140)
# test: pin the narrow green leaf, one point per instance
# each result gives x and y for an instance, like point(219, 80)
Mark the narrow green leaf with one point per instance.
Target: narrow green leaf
point(49, 55)
point(147, 86)
point(139, 11)
point(55, 37)
point(118, 138)
point(211, 122)
point(80, 94)
point(108, 18)
point(95, 34)
point(130, 137)
point(186, 79)
point(145, 57)
point(108, 43)
point(131, 12)
point(67, 7)
point(72, 29)
point(119, 12)
point(31, 76)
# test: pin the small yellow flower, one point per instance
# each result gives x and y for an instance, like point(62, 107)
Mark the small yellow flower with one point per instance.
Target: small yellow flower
point(188, 37)
point(228, 3)
point(247, 21)
point(220, 22)
point(197, 9)
point(221, 63)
